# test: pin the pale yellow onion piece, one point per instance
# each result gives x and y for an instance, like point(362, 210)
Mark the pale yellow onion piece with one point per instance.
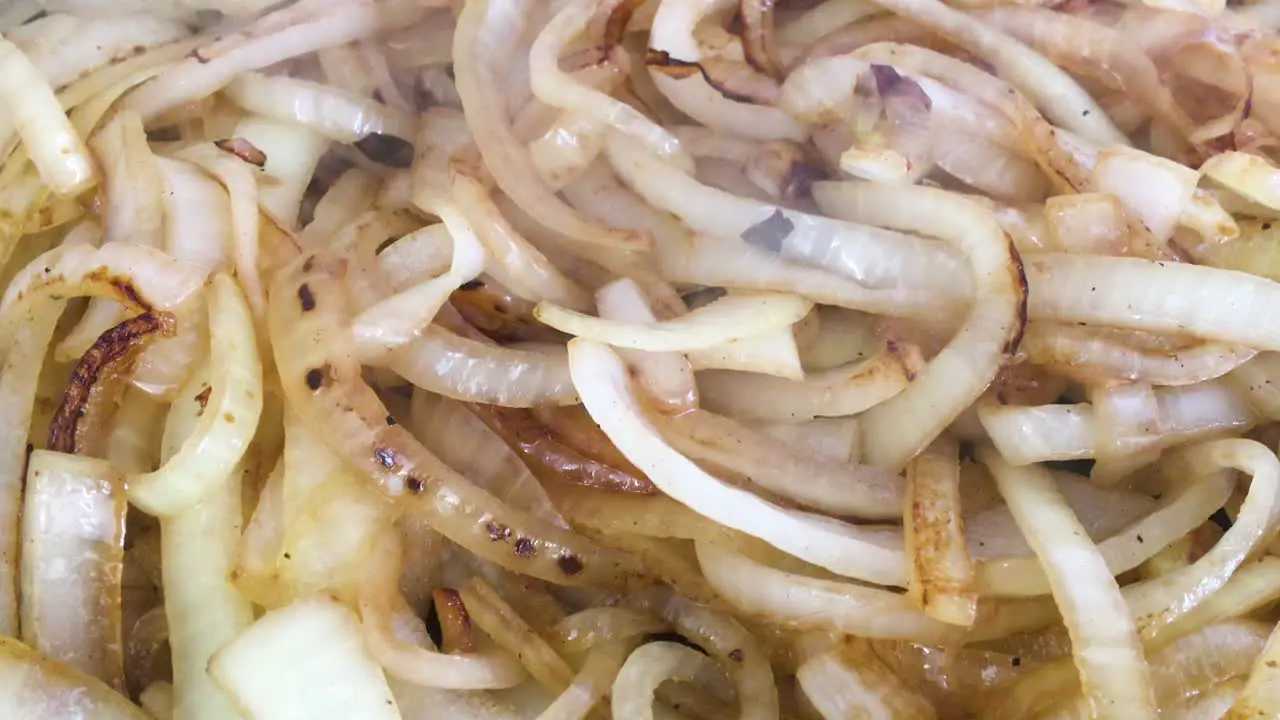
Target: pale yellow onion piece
point(558, 89)
point(1260, 696)
point(587, 628)
point(942, 578)
point(304, 661)
point(836, 487)
point(279, 35)
point(1254, 585)
point(804, 602)
point(1259, 381)
point(1105, 644)
point(591, 684)
point(347, 198)
point(724, 639)
point(72, 554)
point(90, 97)
point(55, 148)
point(602, 381)
point(33, 686)
point(67, 47)
point(1162, 297)
point(850, 681)
point(898, 429)
point(136, 275)
point(567, 148)
point(473, 371)
point(515, 262)
point(497, 618)
point(667, 376)
point(199, 544)
point(1161, 601)
point(395, 321)
point(1153, 190)
point(380, 601)
point(131, 182)
point(1056, 92)
point(480, 25)
point(846, 390)
point(836, 439)
point(645, 669)
point(262, 543)
point(895, 273)
point(1030, 434)
point(1090, 223)
point(772, 353)
point(673, 32)
point(238, 178)
point(1180, 511)
point(1086, 356)
point(328, 110)
point(806, 28)
point(292, 152)
point(1247, 175)
point(229, 420)
point(732, 317)
point(197, 216)
point(425, 252)
point(157, 700)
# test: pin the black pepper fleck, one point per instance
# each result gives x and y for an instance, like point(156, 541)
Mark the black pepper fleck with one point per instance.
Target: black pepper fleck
point(415, 484)
point(315, 378)
point(569, 564)
point(391, 421)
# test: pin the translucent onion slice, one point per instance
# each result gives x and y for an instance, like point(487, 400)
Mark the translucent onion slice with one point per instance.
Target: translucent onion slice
point(323, 383)
point(1159, 602)
point(1088, 357)
point(204, 610)
point(55, 148)
point(588, 628)
point(851, 676)
point(1152, 189)
point(591, 684)
point(667, 376)
point(72, 554)
point(230, 419)
point(846, 390)
point(1260, 696)
point(1108, 657)
point(473, 371)
point(893, 269)
point(331, 111)
point(68, 48)
point(292, 153)
point(602, 381)
point(1162, 297)
point(772, 353)
point(481, 26)
point(724, 639)
point(898, 429)
point(280, 35)
point(497, 618)
point(730, 318)
point(834, 487)
point(648, 667)
point(1249, 176)
point(306, 660)
point(37, 687)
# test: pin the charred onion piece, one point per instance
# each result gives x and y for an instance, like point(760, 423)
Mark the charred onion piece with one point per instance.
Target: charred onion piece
point(615, 28)
point(386, 150)
point(736, 81)
point(244, 150)
point(500, 315)
point(111, 357)
point(551, 457)
point(455, 621)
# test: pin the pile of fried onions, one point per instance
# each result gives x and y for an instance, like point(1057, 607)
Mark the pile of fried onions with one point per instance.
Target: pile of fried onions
point(495, 360)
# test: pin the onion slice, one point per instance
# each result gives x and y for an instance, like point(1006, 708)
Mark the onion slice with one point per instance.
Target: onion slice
point(648, 667)
point(851, 676)
point(602, 381)
point(333, 112)
point(1108, 657)
point(37, 687)
point(730, 318)
point(1089, 357)
point(942, 579)
point(230, 419)
point(898, 429)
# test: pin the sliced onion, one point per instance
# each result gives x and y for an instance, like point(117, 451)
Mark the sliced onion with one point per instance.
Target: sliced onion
point(1260, 695)
point(1088, 357)
point(1259, 381)
point(468, 370)
point(840, 391)
point(1249, 176)
point(884, 263)
point(1105, 644)
point(68, 48)
point(292, 152)
point(590, 627)
point(272, 669)
point(493, 615)
point(335, 113)
point(897, 430)
point(648, 667)
point(1163, 297)
point(667, 376)
point(591, 684)
point(730, 318)
point(229, 422)
point(942, 579)
point(851, 676)
point(40, 687)
point(72, 553)
point(55, 148)
point(601, 380)
point(1152, 189)
point(837, 488)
